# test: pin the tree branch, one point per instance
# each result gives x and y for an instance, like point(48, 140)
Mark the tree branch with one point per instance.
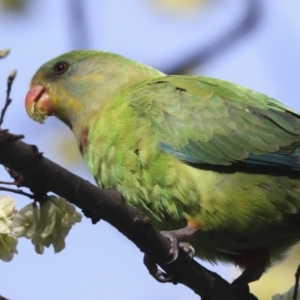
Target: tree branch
point(44, 175)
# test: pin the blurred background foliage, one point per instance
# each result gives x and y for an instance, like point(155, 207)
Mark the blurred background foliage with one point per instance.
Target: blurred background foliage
point(251, 42)
point(13, 5)
point(180, 8)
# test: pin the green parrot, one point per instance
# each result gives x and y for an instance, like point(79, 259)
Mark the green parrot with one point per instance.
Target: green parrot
point(213, 163)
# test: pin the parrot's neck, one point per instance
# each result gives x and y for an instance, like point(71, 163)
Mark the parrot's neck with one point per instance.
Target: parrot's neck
point(85, 104)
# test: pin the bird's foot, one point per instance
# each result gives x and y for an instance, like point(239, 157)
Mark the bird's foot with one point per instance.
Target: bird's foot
point(188, 249)
point(159, 275)
point(173, 237)
point(175, 245)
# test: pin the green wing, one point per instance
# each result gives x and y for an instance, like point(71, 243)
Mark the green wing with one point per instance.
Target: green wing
point(209, 121)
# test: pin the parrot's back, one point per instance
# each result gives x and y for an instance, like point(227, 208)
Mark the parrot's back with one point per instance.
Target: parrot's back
point(205, 153)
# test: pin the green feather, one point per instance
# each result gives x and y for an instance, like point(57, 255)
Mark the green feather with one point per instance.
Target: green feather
point(184, 148)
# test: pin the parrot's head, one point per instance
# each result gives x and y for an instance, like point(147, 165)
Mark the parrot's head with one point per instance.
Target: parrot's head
point(77, 84)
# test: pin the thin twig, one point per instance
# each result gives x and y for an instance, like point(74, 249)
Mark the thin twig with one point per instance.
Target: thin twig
point(10, 81)
point(17, 191)
point(8, 182)
point(297, 276)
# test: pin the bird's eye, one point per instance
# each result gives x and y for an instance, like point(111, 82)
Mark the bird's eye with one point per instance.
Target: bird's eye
point(60, 67)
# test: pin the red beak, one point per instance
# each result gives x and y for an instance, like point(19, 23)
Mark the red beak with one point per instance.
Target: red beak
point(38, 99)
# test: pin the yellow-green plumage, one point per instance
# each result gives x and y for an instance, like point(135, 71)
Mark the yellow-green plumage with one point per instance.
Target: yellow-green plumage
point(186, 149)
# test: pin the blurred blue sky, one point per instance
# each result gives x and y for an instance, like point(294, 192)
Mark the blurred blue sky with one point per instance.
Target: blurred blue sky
point(98, 262)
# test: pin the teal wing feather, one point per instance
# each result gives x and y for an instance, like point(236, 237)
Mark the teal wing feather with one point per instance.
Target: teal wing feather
point(214, 122)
